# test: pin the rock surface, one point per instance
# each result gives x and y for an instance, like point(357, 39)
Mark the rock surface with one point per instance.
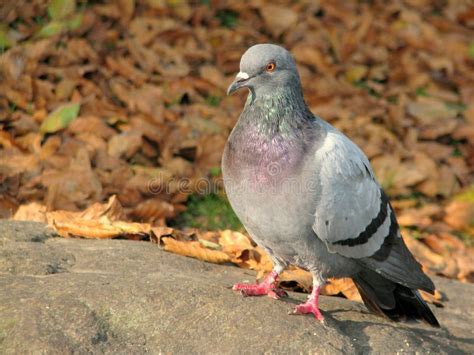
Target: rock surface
point(117, 296)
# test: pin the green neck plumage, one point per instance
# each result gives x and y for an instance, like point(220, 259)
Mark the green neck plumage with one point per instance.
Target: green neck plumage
point(280, 112)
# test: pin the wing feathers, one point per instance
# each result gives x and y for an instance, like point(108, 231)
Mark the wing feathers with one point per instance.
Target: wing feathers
point(353, 216)
point(373, 227)
point(355, 219)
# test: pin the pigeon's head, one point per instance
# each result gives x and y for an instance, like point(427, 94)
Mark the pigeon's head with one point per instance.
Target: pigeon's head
point(266, 68)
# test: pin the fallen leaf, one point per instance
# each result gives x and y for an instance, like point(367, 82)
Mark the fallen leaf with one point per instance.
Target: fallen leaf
point(434, 299)
point(60, 118)
point(124, 145)
point(194, 250)
point(71, 225)
point(356, 73)
point(424, 255)
point(344, 285)
point(296, 278)
point(8, 206)
point(234, 243)
point(429, 110)
point(113, 210)
point(444, 244)
point(32, 211)
point(73, 184)
point(278, 18)
point(51, 29)
point(152, 210)
point(460, 215)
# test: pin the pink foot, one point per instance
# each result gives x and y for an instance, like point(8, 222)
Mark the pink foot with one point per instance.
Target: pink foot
point(310, 306)
point(266, 287)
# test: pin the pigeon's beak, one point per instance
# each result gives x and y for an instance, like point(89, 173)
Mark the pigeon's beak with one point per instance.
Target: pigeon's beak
point(239, 82)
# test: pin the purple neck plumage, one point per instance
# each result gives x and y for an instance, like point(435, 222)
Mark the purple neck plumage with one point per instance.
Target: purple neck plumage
point(272, 135)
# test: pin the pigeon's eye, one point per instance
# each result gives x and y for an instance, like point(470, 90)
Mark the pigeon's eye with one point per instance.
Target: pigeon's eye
point(271, 67)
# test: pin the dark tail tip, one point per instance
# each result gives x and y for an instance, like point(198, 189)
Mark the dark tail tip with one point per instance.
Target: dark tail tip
point(407, 306)
point(411, 306)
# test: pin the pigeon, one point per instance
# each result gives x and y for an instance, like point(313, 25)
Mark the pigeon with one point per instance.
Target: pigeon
point(309, 197)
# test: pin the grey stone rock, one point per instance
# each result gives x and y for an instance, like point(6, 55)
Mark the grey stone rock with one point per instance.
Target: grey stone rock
point(117, 296)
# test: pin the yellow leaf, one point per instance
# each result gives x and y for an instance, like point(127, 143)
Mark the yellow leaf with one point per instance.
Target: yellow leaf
point(59, 9)
point(60, 118)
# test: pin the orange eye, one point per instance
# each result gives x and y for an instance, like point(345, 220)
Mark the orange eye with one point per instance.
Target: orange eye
point(271, 67)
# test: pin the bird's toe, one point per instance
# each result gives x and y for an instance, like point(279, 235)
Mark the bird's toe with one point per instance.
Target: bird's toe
point(307, 308)
point(250, 289)
point(260, 290)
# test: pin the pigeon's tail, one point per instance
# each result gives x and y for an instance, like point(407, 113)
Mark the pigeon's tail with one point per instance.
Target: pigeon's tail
point(392, 300)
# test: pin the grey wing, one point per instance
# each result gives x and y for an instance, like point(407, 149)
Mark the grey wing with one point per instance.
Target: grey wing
point(354, 217)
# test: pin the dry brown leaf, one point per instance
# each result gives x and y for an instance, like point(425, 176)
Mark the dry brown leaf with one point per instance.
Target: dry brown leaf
point(126, 8)
point(296, 278)
point(146, 99)
point(194, 250)
point(278, 19)
point(91, 124)
point(73, 185)
point(152, 210)
point(403, 204)
point(429, 110)
point(124, 145)
point(424, 255)
point(69, 224)
point(469, 113)
point(410, 217)
point(113, 210)
point(212, 74)
point(13, 163)
point(124, 67)
point(460, 215)
point(344, 285)
point(308, 55)
point(409, 174)
point(8, 206)
point(444, 244)
point(420, 217)
point(434, 299)
point(242, 251)
point(161, 231)
point(254, 259)
point(438, 129)
point(32, 211)
point(442, 181)
point(97, 221)
point(12, 64)
point(172, 63)
point(233, 243)
point(435, 150)
point(465, 263)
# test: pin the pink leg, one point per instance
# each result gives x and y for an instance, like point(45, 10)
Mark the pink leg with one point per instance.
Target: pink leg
point(267, 287)
point(311, 305)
